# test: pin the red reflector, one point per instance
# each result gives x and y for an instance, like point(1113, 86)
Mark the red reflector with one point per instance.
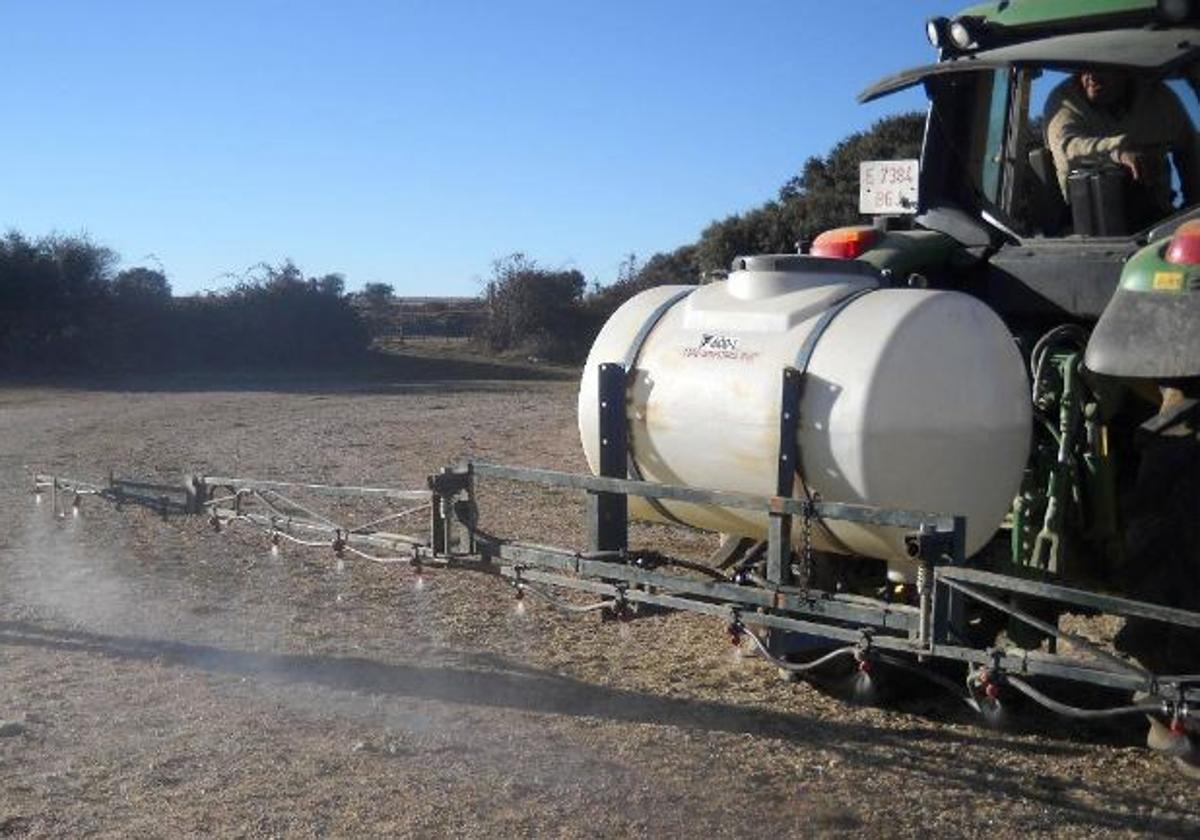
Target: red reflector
point(1185, 244)
point(846, 243)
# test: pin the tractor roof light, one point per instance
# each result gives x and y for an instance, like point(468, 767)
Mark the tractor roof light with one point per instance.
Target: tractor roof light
point(935, 30)
point(964, 32)
point(1184, 248)
point(1175, 11)
point(847, 243)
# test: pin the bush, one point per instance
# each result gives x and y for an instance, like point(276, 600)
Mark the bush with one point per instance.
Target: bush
point(51, 293)
point(61, 306)
point(536, 311)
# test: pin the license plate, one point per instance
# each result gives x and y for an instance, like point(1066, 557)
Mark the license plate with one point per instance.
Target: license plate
point(887, 187)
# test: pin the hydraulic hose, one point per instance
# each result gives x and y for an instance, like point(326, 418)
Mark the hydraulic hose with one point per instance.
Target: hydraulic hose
point(1077, 712)
point(560, 604)
point(798, 667)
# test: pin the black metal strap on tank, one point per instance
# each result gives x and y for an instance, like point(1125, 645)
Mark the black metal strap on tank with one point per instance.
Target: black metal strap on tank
point(639, 340)
point(803, 359)
point(631, 357)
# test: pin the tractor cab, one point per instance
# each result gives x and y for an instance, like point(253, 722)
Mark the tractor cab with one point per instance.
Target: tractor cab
point(990, 118)
point(1042, 237)
point(1026, 197)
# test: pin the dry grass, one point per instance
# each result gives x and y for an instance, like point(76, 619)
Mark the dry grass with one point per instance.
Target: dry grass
point(174, 683)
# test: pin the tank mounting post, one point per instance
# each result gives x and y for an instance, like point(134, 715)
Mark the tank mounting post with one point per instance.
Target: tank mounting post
point(445, 488)
point(948, 618)
point(196, 494)
point(779, 531)
point(608, 513)
point(779, 523)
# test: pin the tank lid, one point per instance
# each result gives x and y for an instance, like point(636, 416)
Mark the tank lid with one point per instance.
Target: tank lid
point(804, 264)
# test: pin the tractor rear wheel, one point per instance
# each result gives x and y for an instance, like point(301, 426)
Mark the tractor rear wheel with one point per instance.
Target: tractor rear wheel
point(1162, 530)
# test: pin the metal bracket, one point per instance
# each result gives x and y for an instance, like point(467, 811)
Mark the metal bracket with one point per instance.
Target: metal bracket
point(779, 527)
point(779, 523)
point(450, 482)
point(948, 619)
point(608, 513)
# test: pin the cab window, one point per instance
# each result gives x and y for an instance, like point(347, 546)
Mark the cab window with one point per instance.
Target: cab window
point(1033, 196)
point(967, 127)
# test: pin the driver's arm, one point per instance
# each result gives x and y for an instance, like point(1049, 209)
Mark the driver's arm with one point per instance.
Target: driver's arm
point(1073, 142)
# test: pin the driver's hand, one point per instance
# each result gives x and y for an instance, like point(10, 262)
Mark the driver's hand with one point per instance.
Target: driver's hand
point(1135, 162)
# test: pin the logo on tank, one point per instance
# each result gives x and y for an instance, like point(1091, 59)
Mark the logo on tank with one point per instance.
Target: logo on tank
point(719, 346)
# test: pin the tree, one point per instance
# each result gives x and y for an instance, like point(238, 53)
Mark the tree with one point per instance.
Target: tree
point(378, 295)
point(143, 284)
point(823, 195)
point(535, 310)
point(678, 267)
point(332, 285)
point(675, 268)
point(764, 230)
point(51, 291)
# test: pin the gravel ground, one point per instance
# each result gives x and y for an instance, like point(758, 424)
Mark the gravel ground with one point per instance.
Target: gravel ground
point(161, 680)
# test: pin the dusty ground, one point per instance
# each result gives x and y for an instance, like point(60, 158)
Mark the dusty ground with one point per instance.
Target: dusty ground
point(166, 681)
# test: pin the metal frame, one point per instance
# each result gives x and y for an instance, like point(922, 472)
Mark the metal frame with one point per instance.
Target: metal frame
point(626, 578)
point(629, 577)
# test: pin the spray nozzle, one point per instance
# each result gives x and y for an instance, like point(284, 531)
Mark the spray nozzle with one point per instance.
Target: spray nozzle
point(734, 631)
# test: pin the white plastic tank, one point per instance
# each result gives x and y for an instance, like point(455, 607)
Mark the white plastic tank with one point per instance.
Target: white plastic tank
point(912, 399)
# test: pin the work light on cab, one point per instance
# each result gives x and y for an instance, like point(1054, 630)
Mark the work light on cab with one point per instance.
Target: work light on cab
point(964, 32)
point(1185, 244)
point(847, 243)
point(935, 30)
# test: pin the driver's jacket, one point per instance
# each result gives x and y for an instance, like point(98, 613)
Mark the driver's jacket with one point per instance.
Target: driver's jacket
point(1153, 121)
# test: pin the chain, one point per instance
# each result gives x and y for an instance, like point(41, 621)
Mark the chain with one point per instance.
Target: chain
point(806, 548)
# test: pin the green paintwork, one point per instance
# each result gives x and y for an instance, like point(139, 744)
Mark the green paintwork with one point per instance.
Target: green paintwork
point(1064, 519)
point(907, 251)
point(1038, 12)
point(1150, 262)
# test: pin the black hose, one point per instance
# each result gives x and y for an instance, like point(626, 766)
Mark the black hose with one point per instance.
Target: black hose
point(560, 604)
point(797, 667)
point(933, 677)
point(652, 561)
point(1076, 712)
point(695, 567)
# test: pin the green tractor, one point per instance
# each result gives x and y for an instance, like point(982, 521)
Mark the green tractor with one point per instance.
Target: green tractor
point(1099, 285)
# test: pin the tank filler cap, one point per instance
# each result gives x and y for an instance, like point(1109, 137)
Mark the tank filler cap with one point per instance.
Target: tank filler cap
point(768, 275)
point(804, 264)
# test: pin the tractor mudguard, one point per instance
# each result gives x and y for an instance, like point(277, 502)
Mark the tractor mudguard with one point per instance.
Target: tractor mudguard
point(1147, 335)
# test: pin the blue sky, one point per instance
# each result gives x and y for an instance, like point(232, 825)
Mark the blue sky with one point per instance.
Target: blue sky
point(414, 142)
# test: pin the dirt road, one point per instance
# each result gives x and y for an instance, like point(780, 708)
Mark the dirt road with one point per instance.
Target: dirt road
point(160, 680)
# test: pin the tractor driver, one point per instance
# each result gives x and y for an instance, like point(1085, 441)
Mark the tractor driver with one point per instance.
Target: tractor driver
point(1108, 116)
